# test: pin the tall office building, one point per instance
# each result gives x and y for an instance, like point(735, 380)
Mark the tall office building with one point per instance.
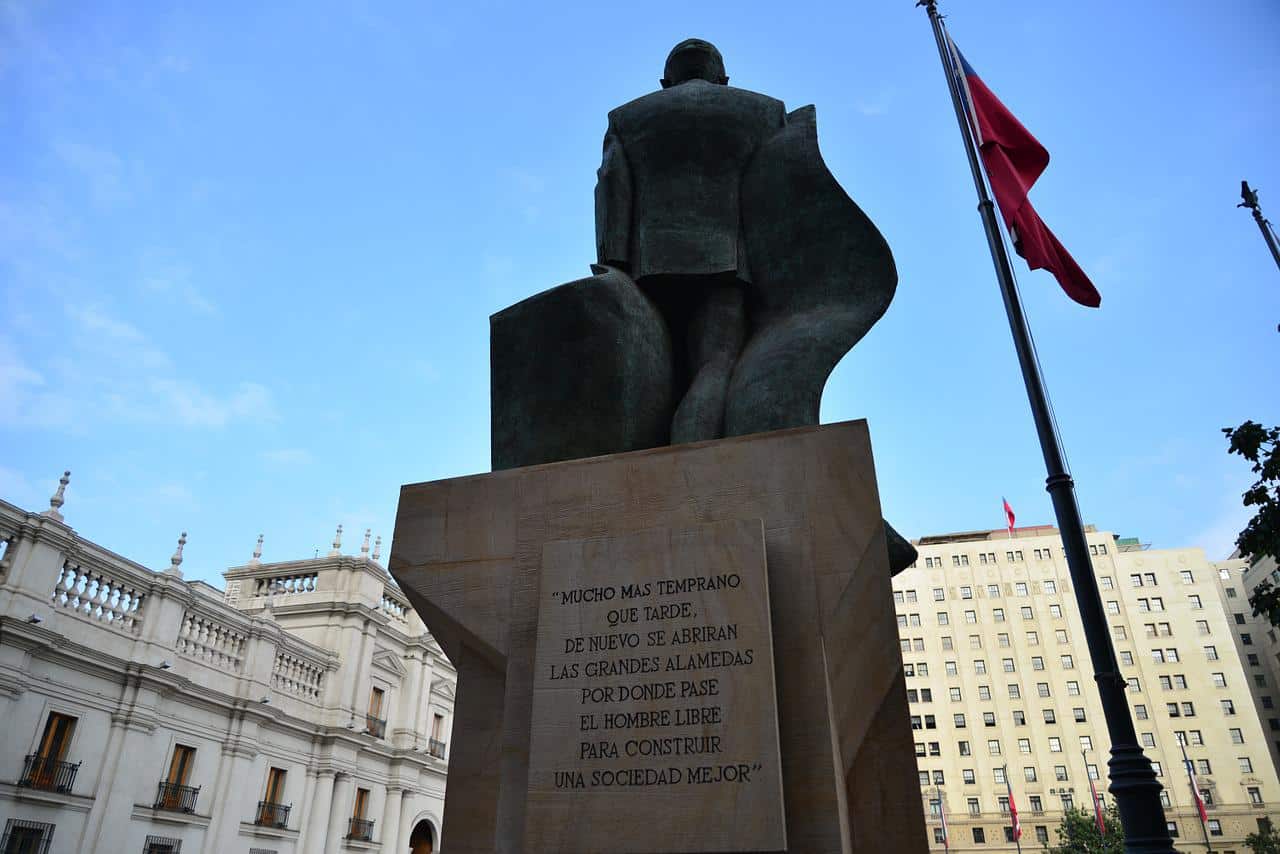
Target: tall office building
point(1000, 686)
point(1256, 642)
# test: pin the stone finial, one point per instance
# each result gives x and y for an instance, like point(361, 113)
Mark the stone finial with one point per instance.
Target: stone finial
point(176, 561)
point(377, 549)
point(364, 547)
point(56, 502)
point(257, 551)
point(337, 543)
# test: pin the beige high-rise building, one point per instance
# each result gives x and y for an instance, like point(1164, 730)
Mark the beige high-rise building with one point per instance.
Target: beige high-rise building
point(999, 677)
point(1256, 642)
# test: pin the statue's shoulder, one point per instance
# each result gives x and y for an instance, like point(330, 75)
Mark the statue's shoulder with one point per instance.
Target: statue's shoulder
point(690, 95)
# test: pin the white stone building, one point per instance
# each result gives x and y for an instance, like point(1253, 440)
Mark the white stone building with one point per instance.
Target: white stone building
point(305, 710)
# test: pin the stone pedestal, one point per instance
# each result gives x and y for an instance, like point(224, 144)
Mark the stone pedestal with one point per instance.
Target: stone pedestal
point(683, 649)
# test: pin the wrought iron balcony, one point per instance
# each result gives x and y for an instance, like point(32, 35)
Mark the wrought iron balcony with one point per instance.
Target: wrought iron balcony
point(376, 727)
point(44, 772)
point(436, 748)
point(176, 798)
point(361, 829)
point(272, 814)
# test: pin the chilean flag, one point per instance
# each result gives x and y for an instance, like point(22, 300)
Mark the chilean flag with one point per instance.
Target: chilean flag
point(1195, 792)
point(1013, 808)
point(1014, 160)
point(1008, 514)
point(1097, 807)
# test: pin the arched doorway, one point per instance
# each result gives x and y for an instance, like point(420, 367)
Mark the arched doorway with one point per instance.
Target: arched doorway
point(422, 840)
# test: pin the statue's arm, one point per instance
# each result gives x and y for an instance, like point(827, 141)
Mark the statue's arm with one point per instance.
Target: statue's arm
point(613, 204)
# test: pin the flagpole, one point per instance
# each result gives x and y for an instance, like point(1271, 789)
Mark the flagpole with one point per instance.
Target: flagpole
point(1093, 795)
point(1250, 197)
point(1017, 829)
point(942, 815)
point(1195, 795)
point(1133, 781)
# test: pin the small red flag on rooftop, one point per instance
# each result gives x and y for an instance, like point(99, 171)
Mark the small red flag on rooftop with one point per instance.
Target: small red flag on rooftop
point(1008, 515)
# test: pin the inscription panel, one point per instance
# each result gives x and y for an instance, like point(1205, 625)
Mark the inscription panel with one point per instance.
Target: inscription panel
point(654, 722)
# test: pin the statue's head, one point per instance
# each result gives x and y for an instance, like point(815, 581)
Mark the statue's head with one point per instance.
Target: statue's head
point(694, 59)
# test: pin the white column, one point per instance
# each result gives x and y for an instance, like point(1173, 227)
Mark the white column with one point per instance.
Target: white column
point(339, 812)
point(311, 835)
point(391, 819)
point(406, 817)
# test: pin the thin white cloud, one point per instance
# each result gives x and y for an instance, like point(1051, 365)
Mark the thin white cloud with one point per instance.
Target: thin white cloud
point(103, 170)
point(190, 405)
point(171, 280)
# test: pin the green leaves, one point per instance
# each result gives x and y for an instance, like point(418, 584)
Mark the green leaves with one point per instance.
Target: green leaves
point(1078, 833)
point(1261, 536)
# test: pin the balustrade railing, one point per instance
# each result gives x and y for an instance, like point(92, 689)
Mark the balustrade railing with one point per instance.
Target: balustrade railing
point(296, 675)
point(209, 640)
point(176, 798)
point(94, 594)
point(51, 775)
point(283, 585)
point(271, 814)
point(394, 608)
point(361, 829)
point(436, 747)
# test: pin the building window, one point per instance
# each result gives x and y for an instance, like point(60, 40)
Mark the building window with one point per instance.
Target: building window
point(1237, 735)
point(966, 592)
point(971, 616)
point(997, 614)
point(979, 666)
point(1003, 639)
point(1020, 588)
point(1027, 613)
point(1246, 765)
point(1007, 664)
point(47, 768)
point(968, 776)
point(1086, 742)
point(1042, 689)
point(958, 720)
point(1019, 717)
point(1068, 662)
point(993, 747)
point(1157, 768)
point(22, 836)
point(1042, 834)
point(1055, 611)
point(1060, 773)
point(950, 667)
point(1120, 632)
point(1148, 739)
point(922, 776)
point(943, 618)
point(946, 642)
point(1078, 714)
point(1060, 635)
point(1073, 688)
point(271, 809)
point(974, 807)
point(161, 845)
point(1024, 746)
point(1050, 717)
point(984, 692)
point(1196, 604)
point(939, 594)
point(1108, 583)
point(964, 749)
point(174, 792)
point(1228, 707)
point(955, 694)
point(939, 779)
point(375, 720)
point(1014, 691)
point(1255, 795)
point(1211, 653)
point(1140, 712)
point(1173, 828)
point(1055, 744)
point(897, 597)
point(1215, 827)
point(1135, 687)
point(993, 590)
point(1029, 772)
point(1126, 658)
point(1033, 639)
point(989, 718)
point(1050, 586)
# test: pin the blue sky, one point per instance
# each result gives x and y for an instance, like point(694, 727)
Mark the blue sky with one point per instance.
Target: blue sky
point(248, 254)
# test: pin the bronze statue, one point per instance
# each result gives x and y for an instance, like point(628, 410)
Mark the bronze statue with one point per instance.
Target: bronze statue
point(733, 274)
